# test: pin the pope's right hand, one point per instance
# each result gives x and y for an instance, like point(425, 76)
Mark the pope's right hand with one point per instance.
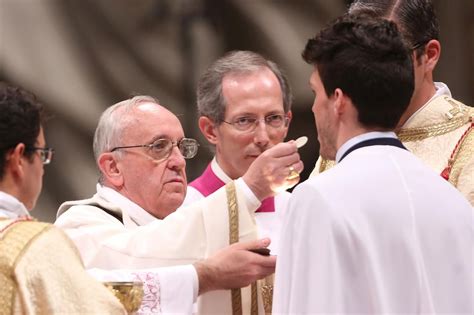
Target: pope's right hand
point(271, 170)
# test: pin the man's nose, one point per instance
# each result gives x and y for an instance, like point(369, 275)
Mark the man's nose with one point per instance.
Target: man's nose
point(261, 137)
point(176, 159)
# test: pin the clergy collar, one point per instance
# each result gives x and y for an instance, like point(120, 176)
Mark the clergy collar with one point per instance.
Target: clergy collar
point(219, 171)
point(139, 215)
point(363, 137)
point(11, 207)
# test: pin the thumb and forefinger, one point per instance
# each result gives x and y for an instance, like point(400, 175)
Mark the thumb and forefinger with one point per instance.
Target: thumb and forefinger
point(253, 244)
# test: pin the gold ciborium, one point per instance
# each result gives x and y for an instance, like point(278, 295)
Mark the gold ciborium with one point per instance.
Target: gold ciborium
point(130, 294)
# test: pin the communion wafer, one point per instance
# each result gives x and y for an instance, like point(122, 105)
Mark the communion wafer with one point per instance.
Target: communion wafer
point(301, 141)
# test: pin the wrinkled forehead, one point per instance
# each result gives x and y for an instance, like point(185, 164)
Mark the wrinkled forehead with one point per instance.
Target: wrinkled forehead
point(148, 121)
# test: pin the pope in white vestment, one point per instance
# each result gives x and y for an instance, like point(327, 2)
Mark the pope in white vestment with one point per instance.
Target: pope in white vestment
point(379, 233)
point(112, 232)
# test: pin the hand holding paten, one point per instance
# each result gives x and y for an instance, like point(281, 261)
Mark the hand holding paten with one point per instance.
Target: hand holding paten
point(235, 266)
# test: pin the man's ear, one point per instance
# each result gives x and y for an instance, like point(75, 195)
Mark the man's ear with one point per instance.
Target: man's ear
point(15, 160)
point(290, 116)
point(339, 102)
point(208, 129)
point(110, 169)
point(433, 53)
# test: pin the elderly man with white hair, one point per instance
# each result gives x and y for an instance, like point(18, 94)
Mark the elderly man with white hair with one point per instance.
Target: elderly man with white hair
point(140, 150)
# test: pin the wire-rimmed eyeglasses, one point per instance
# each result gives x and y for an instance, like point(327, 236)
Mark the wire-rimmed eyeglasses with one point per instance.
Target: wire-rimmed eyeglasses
point(46, 154)
point(248, 123)
point(161, 149)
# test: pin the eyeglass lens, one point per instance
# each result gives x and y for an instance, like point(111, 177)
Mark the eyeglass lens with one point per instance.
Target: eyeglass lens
point(46, 155)
point(161, 149)
point(250, 123)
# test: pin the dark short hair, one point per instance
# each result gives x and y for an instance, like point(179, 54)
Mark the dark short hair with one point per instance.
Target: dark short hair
point(20, 120)
point(367, 59)
point(416, 19)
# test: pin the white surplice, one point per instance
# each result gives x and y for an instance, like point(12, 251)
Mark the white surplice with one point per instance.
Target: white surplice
point(139, 240)
point(268, 223)
point(379, 233)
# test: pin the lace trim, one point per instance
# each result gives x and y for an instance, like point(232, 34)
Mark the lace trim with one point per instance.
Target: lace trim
point(151, 302)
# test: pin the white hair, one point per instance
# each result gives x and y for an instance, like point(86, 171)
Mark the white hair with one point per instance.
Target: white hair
point(113, 121)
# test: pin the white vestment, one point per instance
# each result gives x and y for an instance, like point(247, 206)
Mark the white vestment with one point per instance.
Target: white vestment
point(126, 236)
point(268, 223)
point(379, 233)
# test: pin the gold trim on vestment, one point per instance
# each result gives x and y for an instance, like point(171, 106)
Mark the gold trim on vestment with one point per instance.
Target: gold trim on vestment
point(326, 164)
point(267, 293)
point(464, 153)
point(456, 117)
point(254, 300)
point(13, 243)
point(416, 134)
point(236, 295)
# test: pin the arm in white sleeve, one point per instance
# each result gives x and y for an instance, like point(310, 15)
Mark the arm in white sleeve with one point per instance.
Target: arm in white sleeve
point(167, 290)
point(250, 196)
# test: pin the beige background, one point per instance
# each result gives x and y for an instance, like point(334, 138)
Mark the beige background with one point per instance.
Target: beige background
point(80, 56)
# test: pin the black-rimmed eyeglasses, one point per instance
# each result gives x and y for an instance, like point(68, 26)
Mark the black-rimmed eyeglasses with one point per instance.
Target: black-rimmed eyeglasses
point(161, 149)
point(46, 154)
point(248, 123)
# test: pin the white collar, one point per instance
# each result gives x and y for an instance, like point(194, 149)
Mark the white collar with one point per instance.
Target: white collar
point(219, 172)
point(365, 136)
point(441, 89)
point(10, 207)
point(139, 215)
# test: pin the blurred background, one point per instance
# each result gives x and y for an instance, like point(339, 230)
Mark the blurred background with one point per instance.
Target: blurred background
point(81, 56)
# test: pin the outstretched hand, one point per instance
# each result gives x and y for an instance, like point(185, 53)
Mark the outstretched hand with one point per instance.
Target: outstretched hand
point(234, 266)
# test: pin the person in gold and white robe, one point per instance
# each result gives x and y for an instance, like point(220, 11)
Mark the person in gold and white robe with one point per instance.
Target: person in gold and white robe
point(41, 271)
